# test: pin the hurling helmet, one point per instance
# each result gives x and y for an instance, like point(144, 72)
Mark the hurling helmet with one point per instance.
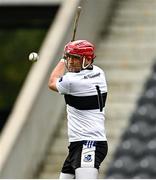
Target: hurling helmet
point(80, 48)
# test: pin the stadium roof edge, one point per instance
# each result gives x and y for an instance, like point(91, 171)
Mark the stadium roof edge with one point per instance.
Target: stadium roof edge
point(29, 2)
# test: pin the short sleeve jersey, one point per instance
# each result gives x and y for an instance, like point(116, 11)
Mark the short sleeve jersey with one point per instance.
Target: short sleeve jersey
point(84, 94)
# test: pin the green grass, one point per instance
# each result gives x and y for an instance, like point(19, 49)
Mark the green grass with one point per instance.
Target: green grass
point(15, 46)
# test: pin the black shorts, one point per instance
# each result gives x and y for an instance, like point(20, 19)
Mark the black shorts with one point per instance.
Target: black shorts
point(85, 154)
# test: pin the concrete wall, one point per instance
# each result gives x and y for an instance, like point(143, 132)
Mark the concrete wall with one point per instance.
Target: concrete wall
point(37, 111)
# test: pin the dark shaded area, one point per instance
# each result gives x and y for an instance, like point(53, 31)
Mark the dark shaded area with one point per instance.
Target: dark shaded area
point(26, 16)
point(3, 116)
point(135, 157)
point(22, 30)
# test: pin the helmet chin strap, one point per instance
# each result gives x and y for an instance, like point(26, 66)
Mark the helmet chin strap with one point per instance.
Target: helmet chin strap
point(82, 66)
point(83, 63)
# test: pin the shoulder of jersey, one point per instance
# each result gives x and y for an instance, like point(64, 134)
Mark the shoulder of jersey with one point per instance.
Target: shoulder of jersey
point(97, 68)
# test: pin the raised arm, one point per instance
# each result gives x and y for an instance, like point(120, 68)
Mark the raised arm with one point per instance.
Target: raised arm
point(56, 73)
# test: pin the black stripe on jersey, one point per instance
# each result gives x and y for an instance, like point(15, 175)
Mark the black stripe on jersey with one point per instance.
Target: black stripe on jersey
point(85, 102)
point(100, 99)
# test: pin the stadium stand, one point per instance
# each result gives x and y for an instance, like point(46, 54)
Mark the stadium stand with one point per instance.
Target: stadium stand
point(135, 156)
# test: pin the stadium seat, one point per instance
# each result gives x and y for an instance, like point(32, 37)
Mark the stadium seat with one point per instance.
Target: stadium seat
point(135, 156)
point(149, 96)
point(145, 112)
point(151, 82)
point(131, 147)
point(151, 147)
point(154, 67)
point(148, 164)
point(124, 165)
point(138, 115)
point(141, 175)
point(116, 176)
point(139, 129)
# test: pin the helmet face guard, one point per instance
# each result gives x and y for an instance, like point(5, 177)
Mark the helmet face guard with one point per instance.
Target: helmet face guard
point(80, 50)
point(73, 56)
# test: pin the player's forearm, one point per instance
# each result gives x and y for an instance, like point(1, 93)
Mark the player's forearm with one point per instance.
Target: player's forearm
point(58, 70)
point(56, 73)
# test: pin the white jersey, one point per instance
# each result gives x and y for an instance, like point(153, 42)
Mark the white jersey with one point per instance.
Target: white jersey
point(85, 94)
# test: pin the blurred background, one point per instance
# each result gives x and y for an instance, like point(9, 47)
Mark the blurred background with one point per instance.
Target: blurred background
point(33, 132)
point(23, 26)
